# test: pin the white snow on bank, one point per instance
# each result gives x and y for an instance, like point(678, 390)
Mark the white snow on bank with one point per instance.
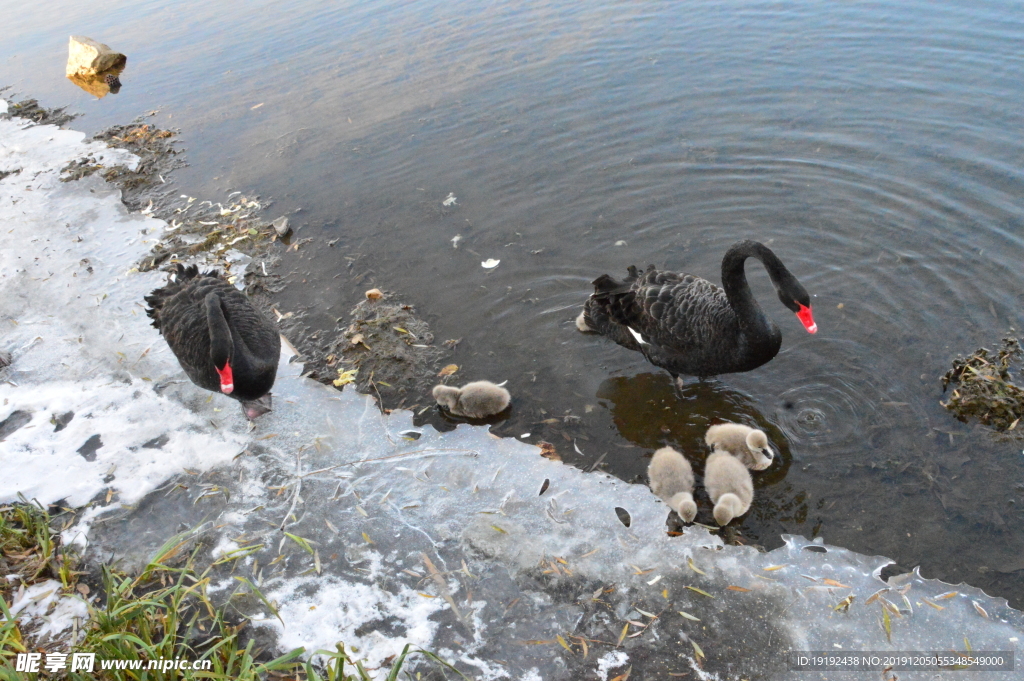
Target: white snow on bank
point(74, 321)
point(319, 612)
point(616, 659)
point(45, 612)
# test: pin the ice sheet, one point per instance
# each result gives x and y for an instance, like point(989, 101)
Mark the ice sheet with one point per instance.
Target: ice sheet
point(471, 546)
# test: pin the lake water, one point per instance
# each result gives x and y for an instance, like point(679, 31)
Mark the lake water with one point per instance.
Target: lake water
point(875, 147)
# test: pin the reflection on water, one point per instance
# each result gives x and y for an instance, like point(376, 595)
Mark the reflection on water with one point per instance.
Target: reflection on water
point(876, 149)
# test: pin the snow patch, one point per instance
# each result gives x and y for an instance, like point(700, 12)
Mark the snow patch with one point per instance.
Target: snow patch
point(45, 612)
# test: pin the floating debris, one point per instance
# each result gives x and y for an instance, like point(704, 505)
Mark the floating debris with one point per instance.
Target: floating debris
point(449, 200)
point(455, 240)
point(374, 294)
point(489, 264)
point(984, 390)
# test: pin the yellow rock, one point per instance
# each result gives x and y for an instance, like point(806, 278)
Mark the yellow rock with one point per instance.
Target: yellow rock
point(86, 57)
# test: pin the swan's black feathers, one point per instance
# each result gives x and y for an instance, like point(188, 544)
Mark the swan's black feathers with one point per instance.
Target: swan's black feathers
point(179, 312)
point(688, 324)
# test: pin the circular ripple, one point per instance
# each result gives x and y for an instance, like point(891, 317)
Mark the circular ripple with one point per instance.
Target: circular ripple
point(835, 414)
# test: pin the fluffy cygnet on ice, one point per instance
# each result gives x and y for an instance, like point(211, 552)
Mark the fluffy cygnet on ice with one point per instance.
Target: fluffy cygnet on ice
point(729, 485)
point(747, 444)
point(672, 481)
point(476, 400)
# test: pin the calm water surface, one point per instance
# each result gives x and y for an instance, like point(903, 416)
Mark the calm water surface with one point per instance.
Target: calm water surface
point(876, 147)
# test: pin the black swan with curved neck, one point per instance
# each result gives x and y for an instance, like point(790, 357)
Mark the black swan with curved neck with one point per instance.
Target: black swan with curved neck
point(688, 325)
point(222, 342)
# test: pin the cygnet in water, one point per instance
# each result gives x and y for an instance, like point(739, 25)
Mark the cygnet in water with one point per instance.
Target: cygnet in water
point(747, 444)
point(476, 400)
point(672, 481)
point(729, 485)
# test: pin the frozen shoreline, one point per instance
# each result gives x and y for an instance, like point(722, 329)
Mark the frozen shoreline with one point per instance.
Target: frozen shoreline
point(525, 548)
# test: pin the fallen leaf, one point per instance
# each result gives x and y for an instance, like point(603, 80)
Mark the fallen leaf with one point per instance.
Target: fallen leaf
point(832, 582)
point(689, 616)
point(547, 450)
point(874, 597)
point(689, 562)
point(448, 370)
point(844, 604)
point(736, 588)
point(345, 377)
point(700, 591)
point(561, 641)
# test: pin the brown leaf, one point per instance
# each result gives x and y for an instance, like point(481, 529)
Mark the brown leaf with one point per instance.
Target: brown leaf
point(736, 588)
point(448, 370)
point(547, 450)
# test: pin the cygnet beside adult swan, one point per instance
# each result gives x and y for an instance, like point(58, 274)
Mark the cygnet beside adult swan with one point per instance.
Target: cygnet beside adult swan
point(748, 445)
point(672, 481)
point(729, 485)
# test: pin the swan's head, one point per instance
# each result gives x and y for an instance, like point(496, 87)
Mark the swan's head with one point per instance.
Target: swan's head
point(757, 442)
point(446, 396)
point(684, 506)
point(253, 409)
point(728, 507)
point(794, 296)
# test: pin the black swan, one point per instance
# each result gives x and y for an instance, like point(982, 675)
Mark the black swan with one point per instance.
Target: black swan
point(729, 485)
point(672, 481)
point(476, 400)
point(688, 325)
point(221, 341)
point(747, 444)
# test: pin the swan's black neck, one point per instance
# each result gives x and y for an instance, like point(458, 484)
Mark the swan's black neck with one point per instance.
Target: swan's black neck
point(221, 342)
point(226, 345)
point(734, 281)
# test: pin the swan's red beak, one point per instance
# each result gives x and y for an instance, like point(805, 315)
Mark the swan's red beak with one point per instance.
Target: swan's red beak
point(804, 315)
point(227, 380)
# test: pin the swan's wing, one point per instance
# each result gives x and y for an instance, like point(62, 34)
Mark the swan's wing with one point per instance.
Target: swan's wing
point(258, 333)
point(681, 313)
point(182, 319)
